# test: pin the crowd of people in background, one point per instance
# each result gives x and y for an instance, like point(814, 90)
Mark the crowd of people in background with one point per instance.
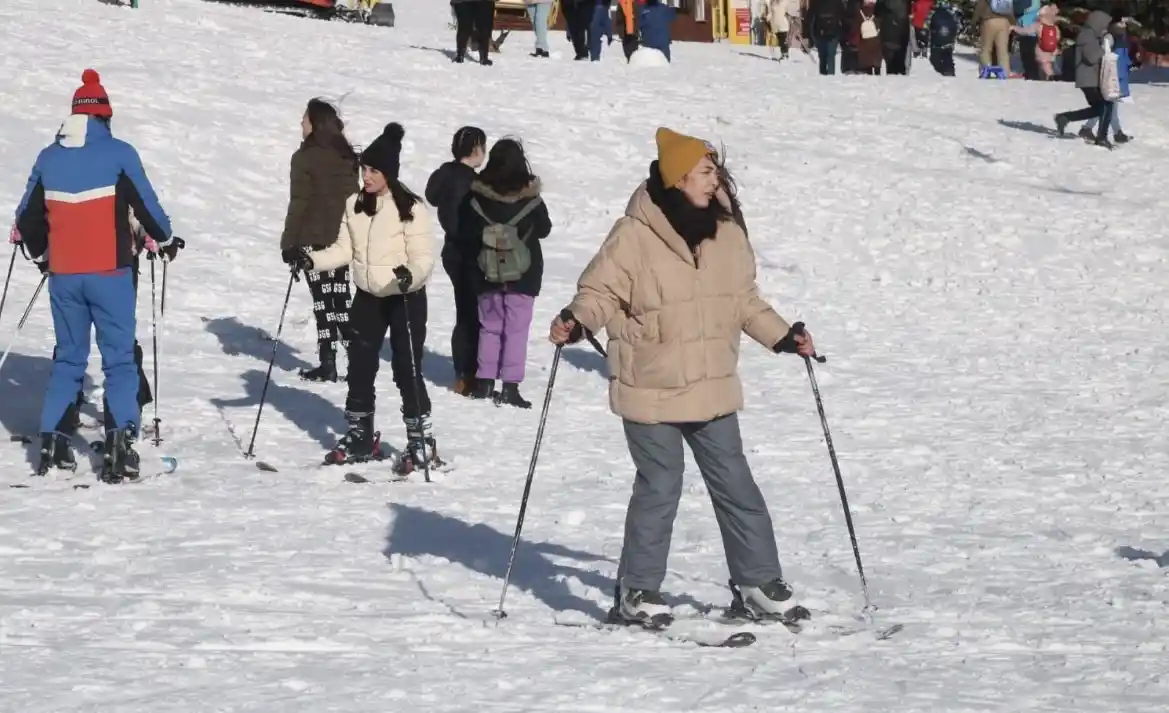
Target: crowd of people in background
point(590, 26)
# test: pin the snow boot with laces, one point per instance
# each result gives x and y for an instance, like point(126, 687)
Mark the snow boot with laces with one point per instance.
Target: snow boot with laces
point(359, 444)
point(56, 452)
point(421, 452)
point(120, 461)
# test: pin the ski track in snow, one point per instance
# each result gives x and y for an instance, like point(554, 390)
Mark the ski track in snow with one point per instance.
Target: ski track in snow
point(991, 300)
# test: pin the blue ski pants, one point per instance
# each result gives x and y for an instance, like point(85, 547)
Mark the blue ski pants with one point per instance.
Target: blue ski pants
point(106, 302)
point(600, 27)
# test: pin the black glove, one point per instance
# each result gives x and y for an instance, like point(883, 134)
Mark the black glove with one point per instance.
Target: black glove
point(787, 345)
point(43, 266)
point(405, 279)
point(172, 248)
point(577, 331)
point(291, 256)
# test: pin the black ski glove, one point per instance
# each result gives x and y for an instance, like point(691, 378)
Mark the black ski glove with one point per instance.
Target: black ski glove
point(291, 256)
point(787, 345)
point(43, 266)
point(171, 251)
point(577, 332)
point(405, 279)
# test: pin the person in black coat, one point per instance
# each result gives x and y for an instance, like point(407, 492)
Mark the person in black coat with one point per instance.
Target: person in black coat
point(447, 188)
point(502, 222)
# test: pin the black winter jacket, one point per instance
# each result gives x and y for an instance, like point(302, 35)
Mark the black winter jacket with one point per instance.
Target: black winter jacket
point(536, 226)
point(446, 189)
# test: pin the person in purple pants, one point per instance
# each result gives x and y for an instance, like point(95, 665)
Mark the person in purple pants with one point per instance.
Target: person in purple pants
point(502, 221)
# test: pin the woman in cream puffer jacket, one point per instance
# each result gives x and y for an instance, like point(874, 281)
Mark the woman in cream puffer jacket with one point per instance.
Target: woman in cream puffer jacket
point(674, 288)
point(387, 238)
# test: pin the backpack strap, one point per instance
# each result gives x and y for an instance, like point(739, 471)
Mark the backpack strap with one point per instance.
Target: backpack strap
point(479, 209)
point(531, 206)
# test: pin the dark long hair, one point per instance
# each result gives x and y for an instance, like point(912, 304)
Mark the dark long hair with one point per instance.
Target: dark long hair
point(404, 200)
point(327, 128)
point(507, 171)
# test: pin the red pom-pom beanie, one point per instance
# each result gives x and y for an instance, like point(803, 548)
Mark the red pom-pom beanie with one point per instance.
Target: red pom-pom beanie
point(91, 97)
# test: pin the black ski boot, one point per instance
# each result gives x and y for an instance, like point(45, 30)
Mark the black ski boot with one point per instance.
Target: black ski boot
point(120, 461)
point(509, 395)
point(56, 452)
point(327, 371)
point(359, 444)
point(484, 389)
point(421, 452)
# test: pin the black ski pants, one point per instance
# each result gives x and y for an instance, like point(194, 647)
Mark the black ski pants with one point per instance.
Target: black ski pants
point(578, 15)
point(465, 337)
point(1097, 106)
point(475, 19)
point(330, 291)
point(942, 59)
point(369, 320)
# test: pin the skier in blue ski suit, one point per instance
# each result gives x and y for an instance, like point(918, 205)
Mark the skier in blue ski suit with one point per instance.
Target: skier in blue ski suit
point(74, 219)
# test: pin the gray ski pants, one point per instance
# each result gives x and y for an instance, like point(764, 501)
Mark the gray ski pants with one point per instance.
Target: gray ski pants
point(747, 533)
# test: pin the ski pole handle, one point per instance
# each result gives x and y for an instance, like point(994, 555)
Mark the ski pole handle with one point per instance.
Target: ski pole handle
point(798, 328)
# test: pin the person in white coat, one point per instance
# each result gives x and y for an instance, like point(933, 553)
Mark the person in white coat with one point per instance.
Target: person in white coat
point(387, 238)
point(775, 13)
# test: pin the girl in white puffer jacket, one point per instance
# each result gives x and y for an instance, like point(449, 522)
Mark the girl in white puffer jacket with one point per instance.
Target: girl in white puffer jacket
point(387, 237)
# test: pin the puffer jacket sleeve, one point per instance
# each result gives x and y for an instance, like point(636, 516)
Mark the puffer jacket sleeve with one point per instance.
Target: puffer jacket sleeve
point(1088, 43)
point(299, 198)
point(607, 282)
point(419, 236)
point(339, 253)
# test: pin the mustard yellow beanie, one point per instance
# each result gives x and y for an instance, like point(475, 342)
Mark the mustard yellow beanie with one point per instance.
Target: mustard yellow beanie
point(678, 154)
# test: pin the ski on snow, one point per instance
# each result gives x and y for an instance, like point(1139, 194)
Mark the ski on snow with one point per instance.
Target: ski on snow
point(663, 626)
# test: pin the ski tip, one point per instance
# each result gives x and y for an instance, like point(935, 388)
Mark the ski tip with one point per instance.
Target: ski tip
point(266, 467)
point(738, 640)
point(19, 485)
point(355, 478)
point(20, 439)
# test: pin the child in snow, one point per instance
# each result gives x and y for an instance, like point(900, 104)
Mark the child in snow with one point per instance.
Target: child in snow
point(674, 288)
point(1123, 67)
point(323, 176)
point(386, 234)
point(943, 32)
point(446, 189)
point(502, 222)
point(655, 20)
point(69, 228)
point(1046, 29)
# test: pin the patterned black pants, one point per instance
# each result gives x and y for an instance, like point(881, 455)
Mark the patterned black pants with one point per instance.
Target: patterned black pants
point(330, 291)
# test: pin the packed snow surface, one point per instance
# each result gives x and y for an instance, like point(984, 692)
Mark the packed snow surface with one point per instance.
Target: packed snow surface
point(991, 300)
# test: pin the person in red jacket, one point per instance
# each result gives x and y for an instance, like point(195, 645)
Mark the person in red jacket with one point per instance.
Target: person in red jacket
point(919, 15)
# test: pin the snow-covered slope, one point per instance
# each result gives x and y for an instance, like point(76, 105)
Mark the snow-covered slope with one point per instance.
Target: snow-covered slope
point(991, 300)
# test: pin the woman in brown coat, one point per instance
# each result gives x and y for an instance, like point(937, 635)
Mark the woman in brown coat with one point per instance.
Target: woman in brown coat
point(674, 288)
point(324, 175)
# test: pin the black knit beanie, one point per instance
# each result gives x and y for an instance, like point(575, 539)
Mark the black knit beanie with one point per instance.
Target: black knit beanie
point(385, 153)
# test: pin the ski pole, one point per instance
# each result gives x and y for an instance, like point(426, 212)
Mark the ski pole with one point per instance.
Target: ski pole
point(8, 279)
point(501, 613)
point(271, 362)
point(154, 337)
point(417, 383)
point(24, 318)
point(798, 328)
point(162, 309)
